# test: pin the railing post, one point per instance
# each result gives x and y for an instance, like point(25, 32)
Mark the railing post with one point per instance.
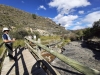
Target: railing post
point(34, 37)
point(39, 42)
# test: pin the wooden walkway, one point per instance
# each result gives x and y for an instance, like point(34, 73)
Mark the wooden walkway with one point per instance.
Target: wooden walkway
point(24, 65)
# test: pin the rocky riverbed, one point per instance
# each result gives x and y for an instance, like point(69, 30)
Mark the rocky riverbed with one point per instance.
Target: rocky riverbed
point(78, 52)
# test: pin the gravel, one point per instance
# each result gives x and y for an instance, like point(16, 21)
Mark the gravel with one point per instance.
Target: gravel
point(78, 52)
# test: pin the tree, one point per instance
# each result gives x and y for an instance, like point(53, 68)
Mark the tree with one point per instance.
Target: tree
point(59, 24)
point(94, 31)
point(96, 28)
point(34, 16)
point(20, 34)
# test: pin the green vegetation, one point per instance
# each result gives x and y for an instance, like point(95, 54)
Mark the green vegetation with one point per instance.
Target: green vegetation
point(66, 41)
point(1, 50)
point(19, 34)
point(18, 20)
point(94, 31)
point(15, 44)
point(48, 39)
point(2, 47)
point(34, 16)
point(44, 38)
point(19, 42)
point(87, 33)
point(37, 34)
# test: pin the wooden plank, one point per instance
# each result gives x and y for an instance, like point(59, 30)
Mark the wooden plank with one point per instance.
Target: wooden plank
point(23, 66)
point(44, 62)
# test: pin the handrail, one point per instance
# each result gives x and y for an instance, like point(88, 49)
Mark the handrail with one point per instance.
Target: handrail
point(74, 64)
point(1, 44)
point(1, 56)
point(41, 59)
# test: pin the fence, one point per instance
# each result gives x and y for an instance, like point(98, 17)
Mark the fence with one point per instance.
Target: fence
point(43, 63)
point(2, 56)
point(74, 64)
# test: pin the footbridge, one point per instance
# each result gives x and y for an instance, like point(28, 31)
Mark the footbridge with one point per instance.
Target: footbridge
point(31, 62)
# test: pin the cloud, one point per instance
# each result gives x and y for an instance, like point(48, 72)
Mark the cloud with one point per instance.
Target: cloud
point(65, 21)
point(41, 7)
point(92, 17)
point(81, 12)
point(78, 23)
point(22, 1)
point(86, 21)
point(77, 27)
point(93, 9)
point(65, 6)
point(97, 8)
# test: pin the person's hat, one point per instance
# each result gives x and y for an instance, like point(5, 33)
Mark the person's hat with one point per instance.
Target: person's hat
point(4, 29)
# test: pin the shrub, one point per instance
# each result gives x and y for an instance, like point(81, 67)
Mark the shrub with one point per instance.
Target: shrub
point(37, 34)
point(20, 34)
point(34, 16)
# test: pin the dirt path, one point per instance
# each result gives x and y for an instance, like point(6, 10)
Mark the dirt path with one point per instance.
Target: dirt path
point(80, 53)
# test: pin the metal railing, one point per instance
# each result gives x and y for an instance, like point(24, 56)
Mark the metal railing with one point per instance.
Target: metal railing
point(74, 64)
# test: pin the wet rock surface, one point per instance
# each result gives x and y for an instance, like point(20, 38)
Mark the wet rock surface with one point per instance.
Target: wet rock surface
point(78, 52)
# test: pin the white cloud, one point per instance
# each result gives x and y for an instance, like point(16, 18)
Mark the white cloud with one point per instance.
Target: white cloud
point(64, 6)
point(41, 7)
point(81, 12)
point(97, 8)
point(65, 21)
point(87, 21)
point(92, 17)
point(22, 1)
point(78, 23)
point(77, 27)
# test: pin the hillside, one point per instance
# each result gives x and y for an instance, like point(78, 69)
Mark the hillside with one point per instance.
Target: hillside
point(17, 19)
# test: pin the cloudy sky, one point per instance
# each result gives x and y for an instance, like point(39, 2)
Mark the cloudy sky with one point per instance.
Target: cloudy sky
point(72, 14)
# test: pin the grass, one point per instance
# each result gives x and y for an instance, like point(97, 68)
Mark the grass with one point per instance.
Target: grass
point(1, 50)
point(65, 41)
point(18, 42)
point(2, 47)
point(47, 39)
point(15, 44)
point(43, 38)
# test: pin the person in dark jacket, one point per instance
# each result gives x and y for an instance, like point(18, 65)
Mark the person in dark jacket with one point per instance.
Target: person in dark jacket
point(8, 42)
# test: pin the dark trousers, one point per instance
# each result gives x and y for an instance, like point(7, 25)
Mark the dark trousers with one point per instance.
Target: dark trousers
point(10, 50)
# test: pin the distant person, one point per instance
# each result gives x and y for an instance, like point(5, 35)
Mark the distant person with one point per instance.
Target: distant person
point(8, 43)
